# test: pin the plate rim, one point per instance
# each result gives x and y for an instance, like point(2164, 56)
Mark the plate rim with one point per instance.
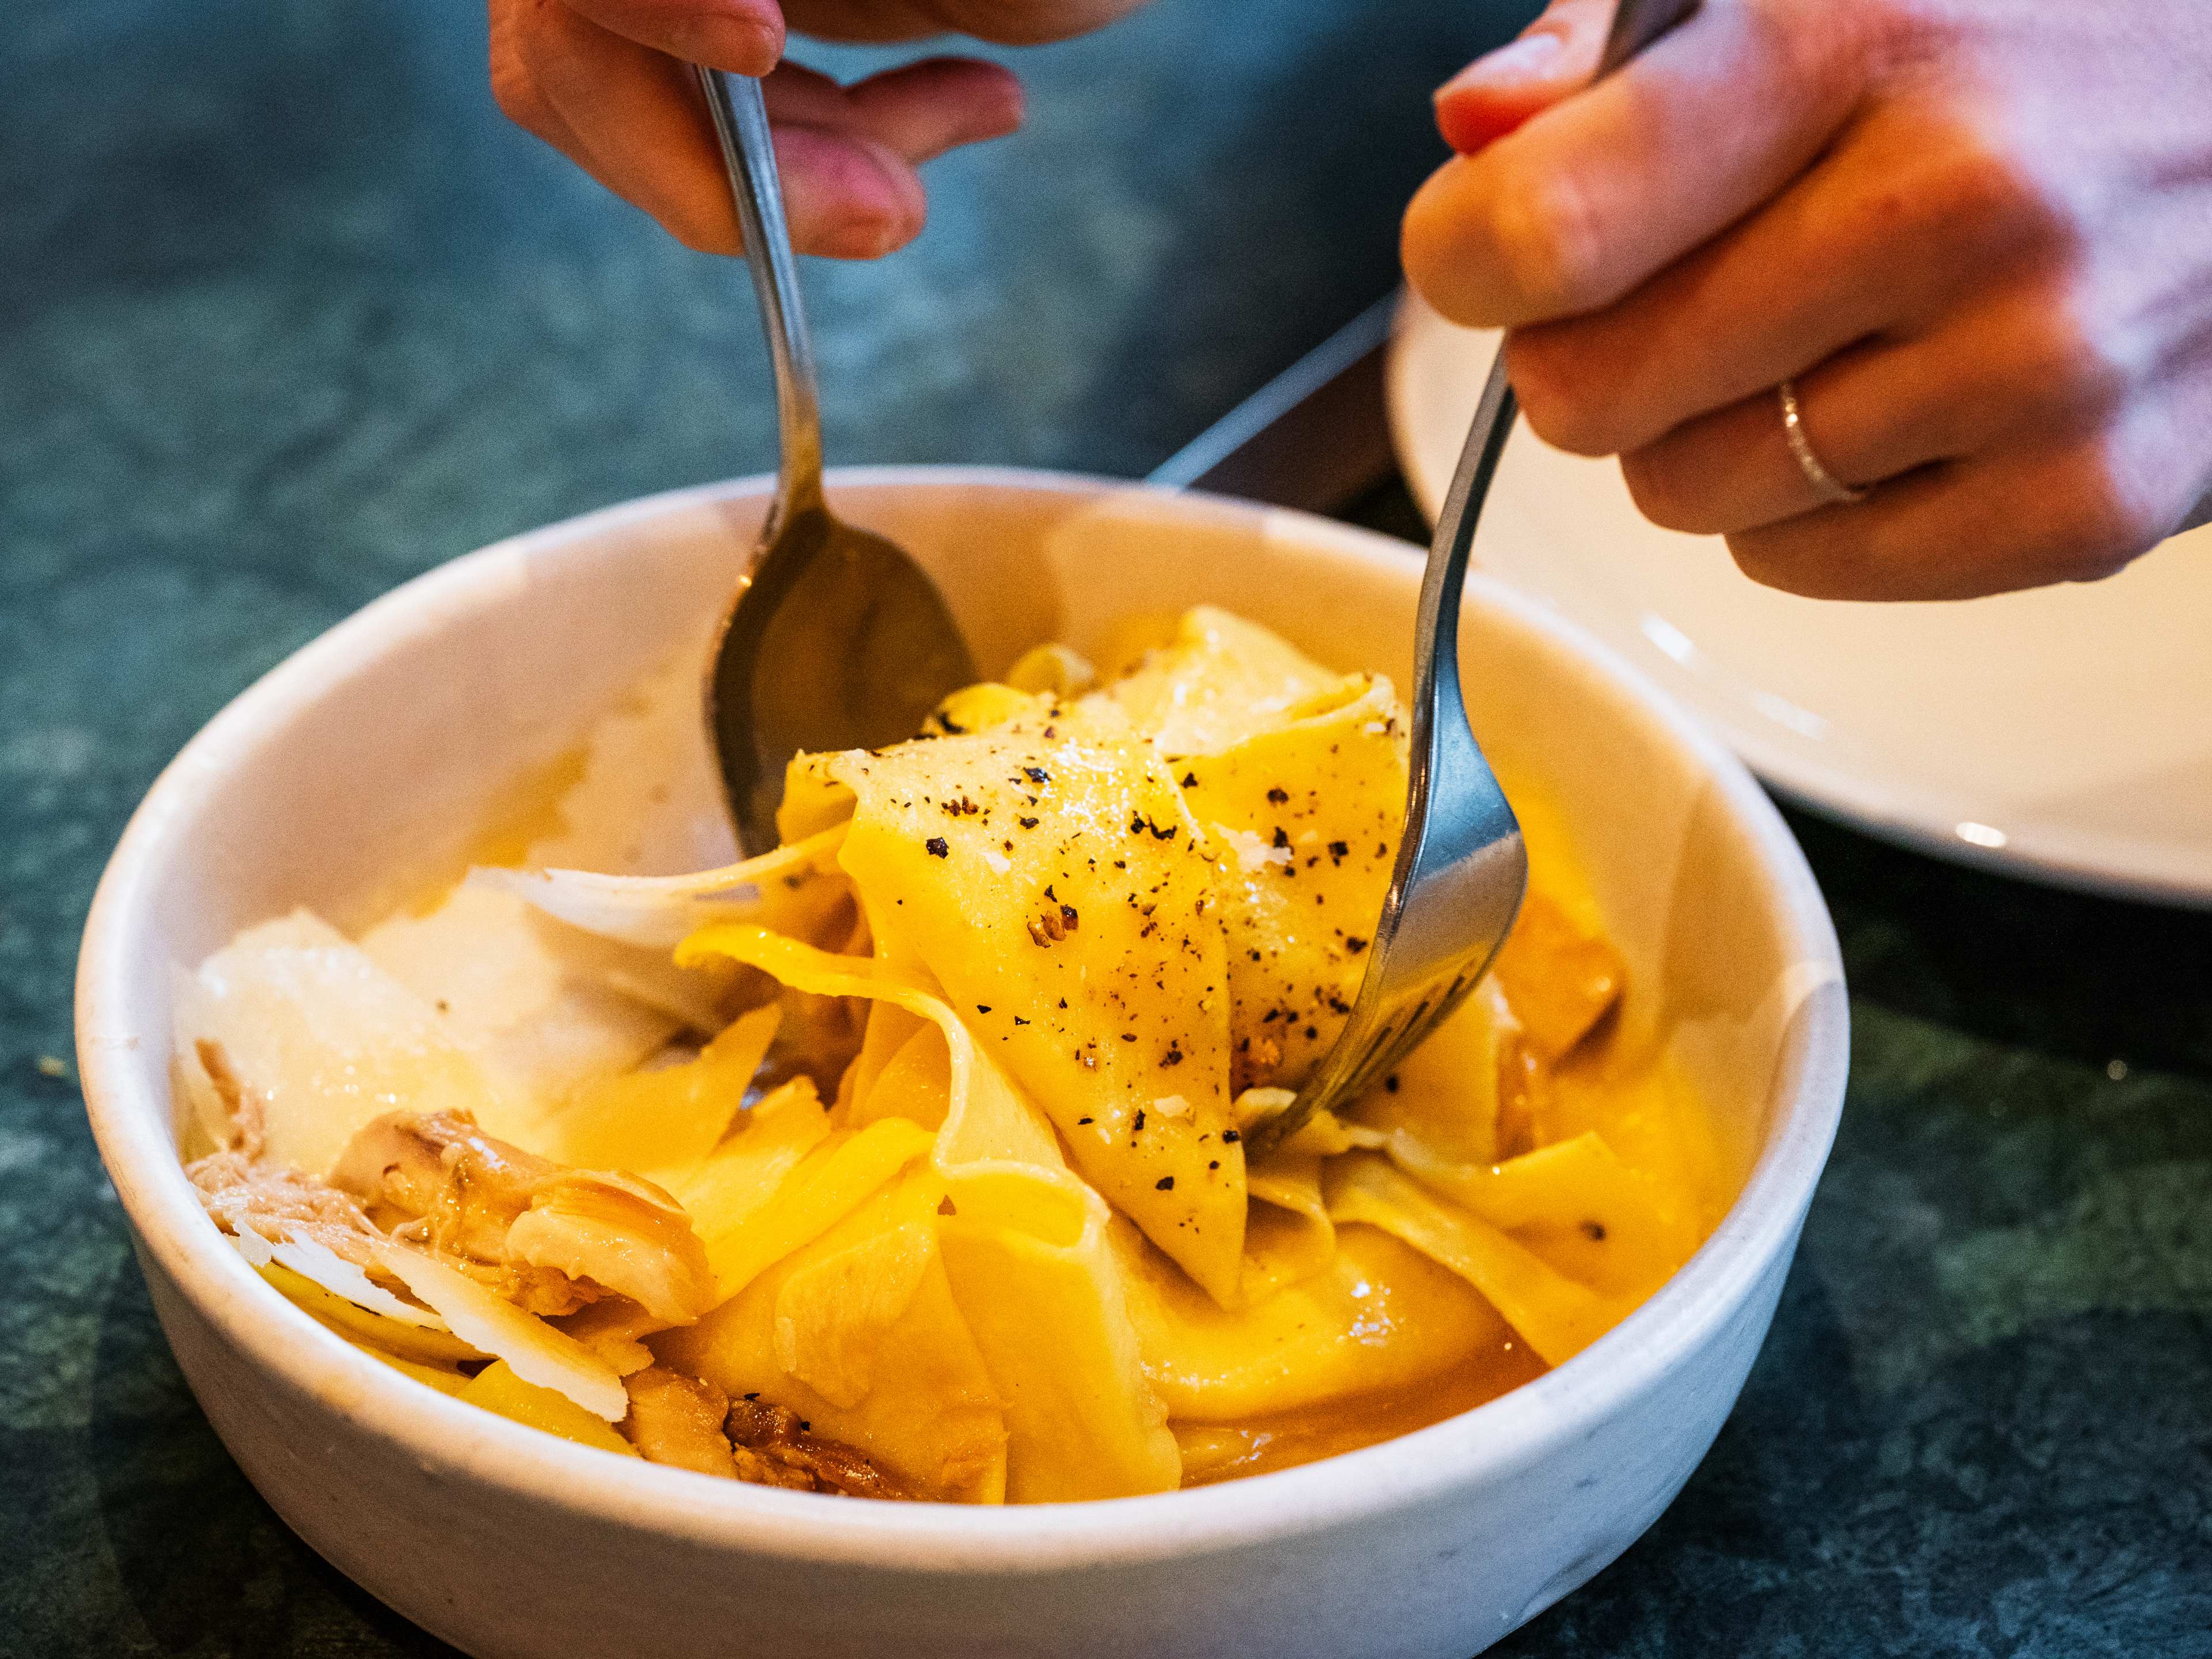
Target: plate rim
point(2114, 867)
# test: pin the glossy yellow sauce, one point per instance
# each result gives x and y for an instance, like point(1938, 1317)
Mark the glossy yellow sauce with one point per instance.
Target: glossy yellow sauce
point(1655, 1122)
point(1620, 1083)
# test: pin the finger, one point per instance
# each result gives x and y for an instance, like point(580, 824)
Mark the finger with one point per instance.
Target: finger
point(515, 87)
point(1004, 22)
point(630, 115)
point(1987, 378)
point(2023, 517)
point(1883, 235)
point(1555, 56)
point(634, 119)
point(1734, 470)
point(744, 37)
point(1594, 195)
point(918, 110)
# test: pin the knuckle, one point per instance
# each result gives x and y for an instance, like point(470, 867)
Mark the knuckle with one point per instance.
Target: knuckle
point(1555, 396)
point(2106, 518)
point(515, 92)
point(1550, 241)
point(1665, 492)
point(1775, 557)
point(1978, 187)
point(1972, 180)
point(2068, 363)
point(513, 87)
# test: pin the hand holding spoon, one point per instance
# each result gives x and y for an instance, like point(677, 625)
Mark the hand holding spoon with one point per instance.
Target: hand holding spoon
point(836, 639)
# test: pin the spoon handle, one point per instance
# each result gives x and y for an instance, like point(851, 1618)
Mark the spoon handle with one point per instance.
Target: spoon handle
point(749, 156)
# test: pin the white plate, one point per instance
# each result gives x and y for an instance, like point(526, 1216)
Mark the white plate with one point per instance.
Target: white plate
point(2064, 735)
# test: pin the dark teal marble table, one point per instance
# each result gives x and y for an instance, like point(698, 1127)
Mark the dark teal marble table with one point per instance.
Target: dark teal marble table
point(287, 314)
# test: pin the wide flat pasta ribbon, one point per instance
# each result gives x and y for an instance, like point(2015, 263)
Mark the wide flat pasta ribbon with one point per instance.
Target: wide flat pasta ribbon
point(1573, 1203)
point(1555, 1315)
point(1220, 681)
point(858, 1331)
point(1446, 1093)
point(1303, 817)
point(1032, 1270)
point(1290, 1235)
point(1023, 1244)
point(668, 1119)
point(1378, 1315)
point(1054, 888)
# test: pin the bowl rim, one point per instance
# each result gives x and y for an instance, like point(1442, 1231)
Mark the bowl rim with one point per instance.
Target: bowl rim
point(1489, 1443)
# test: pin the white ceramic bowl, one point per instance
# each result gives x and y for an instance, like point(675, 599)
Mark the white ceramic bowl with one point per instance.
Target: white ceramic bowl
point(378, 743)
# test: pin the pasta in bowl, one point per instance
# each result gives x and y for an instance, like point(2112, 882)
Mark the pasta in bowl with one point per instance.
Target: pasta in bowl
point(939, 1189)
point(907, 1163)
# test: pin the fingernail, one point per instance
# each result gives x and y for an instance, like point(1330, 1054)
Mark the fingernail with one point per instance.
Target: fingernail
point(869, 237)
point(1530, 57)
point(742, 45)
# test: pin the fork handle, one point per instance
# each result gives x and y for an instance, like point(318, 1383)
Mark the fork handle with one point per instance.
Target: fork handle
point(740, 119)
point(1635, 25)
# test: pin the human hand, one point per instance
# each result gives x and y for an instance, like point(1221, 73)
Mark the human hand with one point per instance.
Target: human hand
point(606, 82)
point(1978, 233)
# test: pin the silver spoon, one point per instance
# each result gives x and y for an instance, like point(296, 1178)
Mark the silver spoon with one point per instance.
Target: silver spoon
point(1463, 867)
point(836, 639)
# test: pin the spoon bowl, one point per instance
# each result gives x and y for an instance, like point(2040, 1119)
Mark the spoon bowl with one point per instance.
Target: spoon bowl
point(835, 639)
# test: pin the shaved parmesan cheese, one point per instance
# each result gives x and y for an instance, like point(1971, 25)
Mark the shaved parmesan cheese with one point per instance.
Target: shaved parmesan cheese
point(325, 1266)
point(651, 747)
point(782, 890)
point(318, 1040)
point(1252, 852)
point(537, 1352)
point(529, 998)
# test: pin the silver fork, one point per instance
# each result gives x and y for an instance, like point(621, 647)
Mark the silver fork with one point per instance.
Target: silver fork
point(1463, 868)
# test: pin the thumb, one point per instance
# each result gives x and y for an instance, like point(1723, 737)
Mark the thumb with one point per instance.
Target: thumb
point(1554, 57)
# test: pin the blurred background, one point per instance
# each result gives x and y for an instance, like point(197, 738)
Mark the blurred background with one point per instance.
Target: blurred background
point(288, 314)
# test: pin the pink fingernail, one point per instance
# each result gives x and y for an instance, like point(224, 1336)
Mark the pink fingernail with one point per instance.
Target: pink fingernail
point(1529, 59)
point(741, 44)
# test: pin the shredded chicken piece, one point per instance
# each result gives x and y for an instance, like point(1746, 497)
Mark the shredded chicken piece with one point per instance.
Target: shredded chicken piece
point(692, 1425)
point(549, 1239)
point(611, 1328)
point(247, 1111)
point(1523, 1092)
point(276, 1203)
point(678, 1420)
point(774, 1447)
point(437, 1168)
point(624, 1234)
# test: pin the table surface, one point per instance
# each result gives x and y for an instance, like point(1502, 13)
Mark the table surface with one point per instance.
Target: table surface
point(287, 315)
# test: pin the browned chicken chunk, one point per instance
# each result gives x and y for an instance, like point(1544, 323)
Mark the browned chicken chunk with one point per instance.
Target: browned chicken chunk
point(548, 1238)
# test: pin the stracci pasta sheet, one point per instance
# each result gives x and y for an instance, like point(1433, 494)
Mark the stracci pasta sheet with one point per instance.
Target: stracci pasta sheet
point(909, 1160)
